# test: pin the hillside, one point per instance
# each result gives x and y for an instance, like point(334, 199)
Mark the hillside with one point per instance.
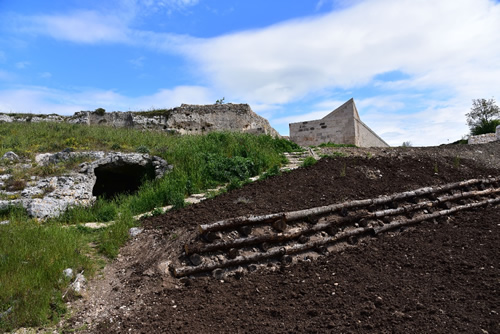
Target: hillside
point(440, 275)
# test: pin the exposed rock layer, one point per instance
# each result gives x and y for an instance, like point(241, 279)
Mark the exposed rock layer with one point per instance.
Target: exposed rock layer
point(50, 196)
point(186, 119)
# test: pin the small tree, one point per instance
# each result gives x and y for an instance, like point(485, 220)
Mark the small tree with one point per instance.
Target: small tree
point(483, 116)
point(407, 144)
point(100, 111)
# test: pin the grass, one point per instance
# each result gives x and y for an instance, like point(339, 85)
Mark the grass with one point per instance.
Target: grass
point(343, 170)
point(32, 259)
point(335, 145)
point(33, 255)
point(309, 161)
point(334, 155)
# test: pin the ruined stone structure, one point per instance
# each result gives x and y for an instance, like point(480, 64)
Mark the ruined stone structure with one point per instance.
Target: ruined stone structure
point(186, 119)
point(486, 138)
point(341, 126)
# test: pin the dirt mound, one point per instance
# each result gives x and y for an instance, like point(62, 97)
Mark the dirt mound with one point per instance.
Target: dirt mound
point(439, 276)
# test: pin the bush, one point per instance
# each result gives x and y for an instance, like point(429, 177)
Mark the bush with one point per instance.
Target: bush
point(309, 161)
point(224, 169)
point(486, 127)
point(100, 111)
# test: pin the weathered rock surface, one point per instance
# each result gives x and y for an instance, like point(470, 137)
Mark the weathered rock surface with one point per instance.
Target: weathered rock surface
point(11, 156)
point(186, 119)
point(107, 174)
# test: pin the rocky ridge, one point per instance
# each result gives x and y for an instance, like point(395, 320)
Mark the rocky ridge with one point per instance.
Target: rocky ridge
point(186, 119)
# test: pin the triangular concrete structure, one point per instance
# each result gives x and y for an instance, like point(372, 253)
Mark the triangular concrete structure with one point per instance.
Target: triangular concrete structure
point(346, 109)
point(341, 126)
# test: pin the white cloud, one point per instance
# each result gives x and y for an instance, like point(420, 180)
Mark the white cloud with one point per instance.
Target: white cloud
point(444, 44)
point(439, 122)
point(45, 75)
point(179, 3)
point(42, 100)
point(79, 26)
point(22, 64)
point(138, 62)
point(313, 115)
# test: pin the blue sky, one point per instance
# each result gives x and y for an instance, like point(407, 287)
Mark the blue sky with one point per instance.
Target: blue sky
point(413, 67)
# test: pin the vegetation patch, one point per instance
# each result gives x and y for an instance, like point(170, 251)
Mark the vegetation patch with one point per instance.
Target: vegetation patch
point(309, 161)
point(336, 145)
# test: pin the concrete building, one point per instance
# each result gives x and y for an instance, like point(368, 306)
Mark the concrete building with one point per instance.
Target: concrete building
point(341, 126)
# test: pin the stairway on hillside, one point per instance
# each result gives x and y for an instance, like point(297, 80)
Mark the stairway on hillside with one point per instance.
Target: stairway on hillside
point(295, 159)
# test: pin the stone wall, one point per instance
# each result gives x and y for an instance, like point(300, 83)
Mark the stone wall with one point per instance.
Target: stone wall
point(486, 138)
point(186, 119)
point(366, 137)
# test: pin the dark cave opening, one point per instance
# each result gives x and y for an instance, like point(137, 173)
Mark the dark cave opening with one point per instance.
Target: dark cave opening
point(115, 179)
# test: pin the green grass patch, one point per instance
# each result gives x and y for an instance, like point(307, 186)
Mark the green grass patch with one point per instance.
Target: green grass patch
point(32, 260)
point(334, 155)
point(336, 145)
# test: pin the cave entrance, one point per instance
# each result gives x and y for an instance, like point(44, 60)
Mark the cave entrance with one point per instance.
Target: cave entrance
point(123, 178)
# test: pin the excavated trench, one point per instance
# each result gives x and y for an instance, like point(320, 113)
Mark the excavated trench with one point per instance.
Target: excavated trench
point(123, 178)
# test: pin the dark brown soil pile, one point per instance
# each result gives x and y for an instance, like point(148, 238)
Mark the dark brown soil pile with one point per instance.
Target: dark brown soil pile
point(435, 277)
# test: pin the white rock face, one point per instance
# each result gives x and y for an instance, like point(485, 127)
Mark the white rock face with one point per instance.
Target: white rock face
point(11, 156)
point(482, 139)
point(5, 118)
point(186, 119)
point(51, 196)
point(58, 193)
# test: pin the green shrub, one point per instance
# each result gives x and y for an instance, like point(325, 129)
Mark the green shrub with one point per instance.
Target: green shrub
point(100, 111)
point(234, 184)
point(309, 161)
point(271, 172)
point(486, 127)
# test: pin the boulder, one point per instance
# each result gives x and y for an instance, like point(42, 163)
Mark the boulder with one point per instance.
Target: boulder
point(11, 156)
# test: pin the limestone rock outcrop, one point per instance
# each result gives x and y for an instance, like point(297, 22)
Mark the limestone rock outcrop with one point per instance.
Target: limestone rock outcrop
point(105, 174)
point(186, 119)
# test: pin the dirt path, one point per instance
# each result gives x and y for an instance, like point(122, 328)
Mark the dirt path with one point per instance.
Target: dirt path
point(439, 277)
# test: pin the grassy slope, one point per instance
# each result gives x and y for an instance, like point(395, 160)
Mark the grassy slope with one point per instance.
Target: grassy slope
point(33, 254)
